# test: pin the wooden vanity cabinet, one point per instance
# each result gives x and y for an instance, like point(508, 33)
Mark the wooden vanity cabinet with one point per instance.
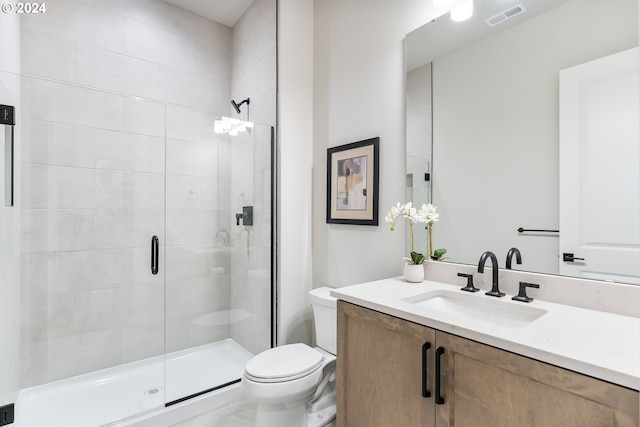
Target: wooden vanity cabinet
point(378, 369)
point(381, 369)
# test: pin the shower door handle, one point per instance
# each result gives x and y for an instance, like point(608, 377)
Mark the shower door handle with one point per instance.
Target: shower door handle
point(154, 254)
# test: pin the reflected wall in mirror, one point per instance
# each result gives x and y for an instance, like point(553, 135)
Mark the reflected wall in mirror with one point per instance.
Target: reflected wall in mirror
point(491, 127)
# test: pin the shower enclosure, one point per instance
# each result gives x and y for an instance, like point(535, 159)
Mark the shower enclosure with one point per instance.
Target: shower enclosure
point(144, 280)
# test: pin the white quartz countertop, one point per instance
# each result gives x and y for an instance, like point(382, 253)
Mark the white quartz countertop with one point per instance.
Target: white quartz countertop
point(599, 344)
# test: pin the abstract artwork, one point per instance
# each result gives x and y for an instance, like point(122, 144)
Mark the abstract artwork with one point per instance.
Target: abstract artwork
point(352, 183)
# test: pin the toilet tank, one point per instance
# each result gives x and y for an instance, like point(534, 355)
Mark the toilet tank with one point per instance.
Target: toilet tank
point(325, 318)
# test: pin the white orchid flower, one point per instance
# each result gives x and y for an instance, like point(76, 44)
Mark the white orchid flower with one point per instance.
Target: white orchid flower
point(428, 211)
point(393, 214)
point(426, 214)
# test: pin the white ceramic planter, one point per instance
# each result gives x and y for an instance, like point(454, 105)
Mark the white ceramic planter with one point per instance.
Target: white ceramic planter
point(413, 272)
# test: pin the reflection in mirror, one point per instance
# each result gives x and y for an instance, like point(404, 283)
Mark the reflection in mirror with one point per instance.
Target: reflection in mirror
point(494, 119)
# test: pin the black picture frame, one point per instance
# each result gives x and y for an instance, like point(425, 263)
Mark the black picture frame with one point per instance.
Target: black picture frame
point(352, 183)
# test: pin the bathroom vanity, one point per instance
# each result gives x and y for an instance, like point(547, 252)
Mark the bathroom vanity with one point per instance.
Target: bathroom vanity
point(430, 355)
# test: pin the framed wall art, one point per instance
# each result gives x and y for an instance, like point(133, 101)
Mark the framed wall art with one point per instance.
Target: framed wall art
point(352, 183)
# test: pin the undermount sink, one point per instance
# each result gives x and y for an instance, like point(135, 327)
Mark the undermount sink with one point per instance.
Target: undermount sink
point(478, 308)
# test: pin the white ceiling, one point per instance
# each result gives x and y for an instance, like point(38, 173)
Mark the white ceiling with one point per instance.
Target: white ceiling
point(226, 12)
point(442, 36)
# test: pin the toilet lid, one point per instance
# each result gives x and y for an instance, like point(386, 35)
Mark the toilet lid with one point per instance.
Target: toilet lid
point(287, 362)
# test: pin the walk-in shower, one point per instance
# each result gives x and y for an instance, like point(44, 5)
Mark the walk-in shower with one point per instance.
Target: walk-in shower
point(140, 288)
point(129, 284)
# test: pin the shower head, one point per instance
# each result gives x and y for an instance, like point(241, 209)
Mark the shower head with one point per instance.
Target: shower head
point(236, 105)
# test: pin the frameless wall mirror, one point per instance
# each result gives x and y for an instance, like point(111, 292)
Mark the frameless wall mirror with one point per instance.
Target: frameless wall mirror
point(490, 108)
point(7, 123)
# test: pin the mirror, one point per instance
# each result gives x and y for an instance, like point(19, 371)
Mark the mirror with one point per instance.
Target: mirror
point(483, 122)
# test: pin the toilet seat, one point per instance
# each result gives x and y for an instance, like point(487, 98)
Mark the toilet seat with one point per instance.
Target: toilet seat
point(285, 363)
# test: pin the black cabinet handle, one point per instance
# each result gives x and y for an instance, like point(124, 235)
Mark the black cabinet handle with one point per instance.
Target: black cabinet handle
point(439, 398)
point(154, 254)
point(425, 347)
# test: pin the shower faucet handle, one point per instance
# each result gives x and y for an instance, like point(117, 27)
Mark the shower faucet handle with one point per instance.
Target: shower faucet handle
point(246, 216)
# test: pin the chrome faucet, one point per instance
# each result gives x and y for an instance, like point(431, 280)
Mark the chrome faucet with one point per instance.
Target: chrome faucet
point(510, 254)
point(495, 291)
point(225, 240)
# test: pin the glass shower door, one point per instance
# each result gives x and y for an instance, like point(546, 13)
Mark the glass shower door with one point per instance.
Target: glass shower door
point(218, 288)
point(92, 196)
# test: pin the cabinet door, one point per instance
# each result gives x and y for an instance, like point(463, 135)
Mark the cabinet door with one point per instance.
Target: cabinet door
point(486, 386)
point(380, 370)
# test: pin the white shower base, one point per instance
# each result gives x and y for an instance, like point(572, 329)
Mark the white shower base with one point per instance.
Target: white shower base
point(139, 389)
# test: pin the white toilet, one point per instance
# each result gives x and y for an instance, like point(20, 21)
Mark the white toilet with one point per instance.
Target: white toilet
point(294, 384)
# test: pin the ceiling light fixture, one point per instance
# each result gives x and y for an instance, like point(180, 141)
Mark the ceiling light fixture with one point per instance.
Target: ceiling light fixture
point(231, 126)
point(462, 12)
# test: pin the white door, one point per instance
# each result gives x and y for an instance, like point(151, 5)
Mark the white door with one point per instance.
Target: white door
point(600, 168)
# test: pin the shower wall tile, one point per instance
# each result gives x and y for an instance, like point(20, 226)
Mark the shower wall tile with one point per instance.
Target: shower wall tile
point(262, 204)
point(10, 329)
point(224, 203)
point(102, 149)
point(187, 89)
point(217, 65)
point(144, 117)
point(48, 317)
point(47, 230)
point(57, 358)
point(192, 296)
point(102, 229)
point(57, 187)
point(80, 22)
point(58, 102)
point(143, 305)
point(50, 360)
point(186, 301)
point(262, 229)
point(224, 156)
point(242, 159)
point(191, 228)
point(98, 310)
point(116, 72)
point(243, 190)
point(87, 270)
point(47, 56)
point(35, 275)
point(190, 125)
point(46, 274)
point(197, 261)
point(191, 192)
point(192, 158)
point(263, 110)
point(145, 225)
point(149, 11)
point(142, 342)
point(195, 27)
point(47, 143)
point(144, 191)
point(162, 47)
point(56, 22)
point(98, 28)
point(108, 186)
point(262, 149)
point(253, 66)
point(137, 271)
point(100, 349)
